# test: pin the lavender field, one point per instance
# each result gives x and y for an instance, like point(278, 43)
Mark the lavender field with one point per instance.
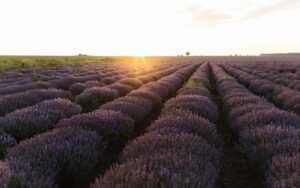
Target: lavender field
point(173, 122)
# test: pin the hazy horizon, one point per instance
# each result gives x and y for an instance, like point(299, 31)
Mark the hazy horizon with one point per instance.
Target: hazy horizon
point(150, 28)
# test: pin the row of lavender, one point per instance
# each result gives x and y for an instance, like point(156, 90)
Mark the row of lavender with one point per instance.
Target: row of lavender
point(282, 96)
point(143, 74)
point(20, 96)
point(16, 82)
point(64, 82)
point(91, 98)
point(270, 137)
point(29, 75)
point(26, 122)
point(281, 73)
point(180, 149)
point(110, 77)
point(48, 73)
point(71, 153)
point(291, 80)
point(11, 102)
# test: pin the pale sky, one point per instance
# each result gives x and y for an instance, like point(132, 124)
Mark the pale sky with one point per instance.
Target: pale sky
point(149, 27)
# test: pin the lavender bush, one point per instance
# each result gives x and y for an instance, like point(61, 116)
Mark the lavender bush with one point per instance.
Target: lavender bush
point(131, 109)
point(122, 89)
point(146, 79)
point(108, 81)
point(170, 87)
point(111, 125)
point(94, 97)
point(284, 171)
point(151, 96)
point(246, 108)
point(55, 158)
point(131, 82)
point(5, 175)
point(39, 118)
point(137, 100)
point(167, 160)
point(78, 88)
point(9, 103)
point(196, 104)
point(240, 101)
point(21, 88)
point(263, 143)
point(273, 115)
point(65, 83)
point(156, 143)
point(189, 123)
point(158, 89)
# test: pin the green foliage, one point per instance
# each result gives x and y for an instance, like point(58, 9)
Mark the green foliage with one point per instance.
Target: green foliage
point(24, 61)
point(35, 76)
point(76, 72)
point(224, 78)
point(193, 83)
point(273, 93)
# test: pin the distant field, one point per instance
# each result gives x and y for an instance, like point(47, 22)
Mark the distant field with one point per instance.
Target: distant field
point(27, 61)
point(22, 61)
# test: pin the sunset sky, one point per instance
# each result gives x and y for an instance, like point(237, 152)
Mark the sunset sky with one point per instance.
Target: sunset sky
point(149, 27)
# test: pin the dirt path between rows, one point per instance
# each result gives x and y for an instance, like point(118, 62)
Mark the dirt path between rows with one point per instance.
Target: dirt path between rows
point(236, 171)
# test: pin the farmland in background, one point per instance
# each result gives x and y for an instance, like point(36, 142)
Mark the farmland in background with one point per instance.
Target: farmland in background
point(198, 121)
point(25, 61)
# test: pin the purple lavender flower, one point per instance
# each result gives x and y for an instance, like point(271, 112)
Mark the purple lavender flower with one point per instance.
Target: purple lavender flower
point(62, 157)
point(133, 110)
point(41, 117)
point(158, 89)
point(189, 123)
point(146, 79)
point(111, 125)
point(65, 83)
point(131, 82)
point(284, 171)
point(122, 89)
point(156, 141)
point(273, 115)
point(78, 88)
point(152, 96)
point(197, 104)
point(94, 97)
point(108, 81)
point(165, 160)
point(247, 108)
point(21, 88)
point(5, 175)
point(9, 103)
